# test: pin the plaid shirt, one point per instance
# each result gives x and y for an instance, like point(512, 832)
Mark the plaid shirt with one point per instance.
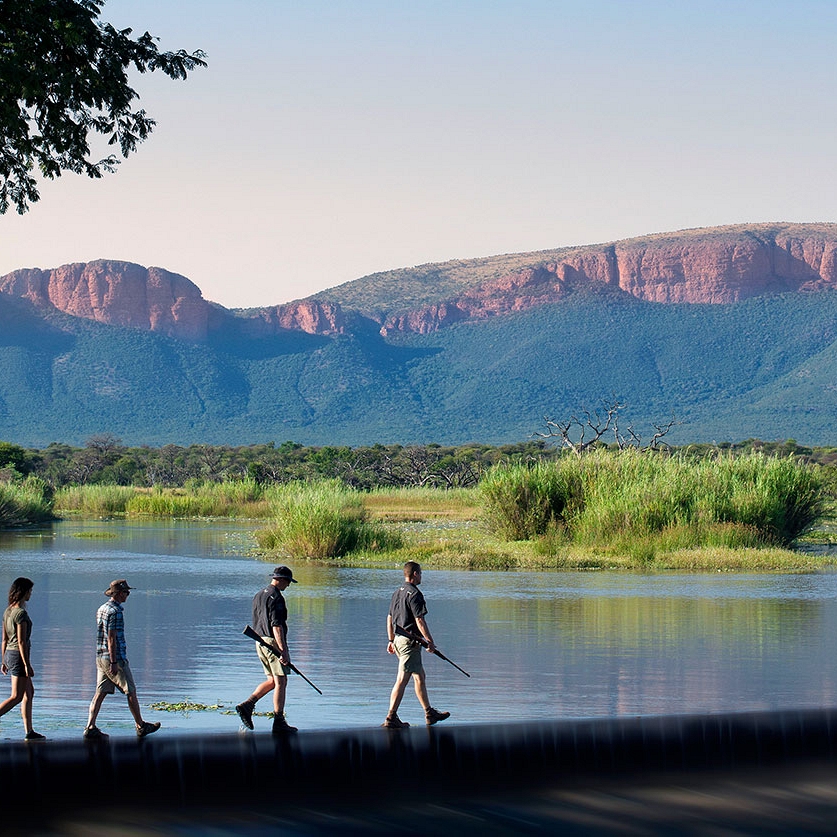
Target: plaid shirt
point(109, 618)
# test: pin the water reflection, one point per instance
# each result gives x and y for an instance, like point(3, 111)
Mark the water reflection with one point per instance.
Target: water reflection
point(538, 645)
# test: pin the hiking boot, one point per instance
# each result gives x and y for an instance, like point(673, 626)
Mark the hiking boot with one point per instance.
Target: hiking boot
point(394, 722)
point(95, 734)
point(33, 736)
point(434, 715)
point(245, 712)
point(281, 726)
point(147, 728)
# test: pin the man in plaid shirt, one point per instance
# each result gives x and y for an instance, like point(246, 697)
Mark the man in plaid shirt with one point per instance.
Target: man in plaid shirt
point(113, 671)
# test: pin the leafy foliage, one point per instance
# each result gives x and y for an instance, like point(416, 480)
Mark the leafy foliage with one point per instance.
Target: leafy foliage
point(63, 76)
point(25, 502)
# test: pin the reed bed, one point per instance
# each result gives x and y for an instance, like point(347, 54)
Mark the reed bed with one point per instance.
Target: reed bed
point(422, 503)
point(25, 503)
point(322, 520)
point(642, 504)
point(233, 498)
point(94, 500)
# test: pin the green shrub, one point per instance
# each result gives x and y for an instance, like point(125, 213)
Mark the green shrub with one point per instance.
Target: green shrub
point(25, 503)
point(643, 503)
point(522, 502)
point(321, 520)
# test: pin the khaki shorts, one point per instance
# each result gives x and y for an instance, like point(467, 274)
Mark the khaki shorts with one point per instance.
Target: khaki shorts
point(409, 655)
point(109, 683)
point(270, 661)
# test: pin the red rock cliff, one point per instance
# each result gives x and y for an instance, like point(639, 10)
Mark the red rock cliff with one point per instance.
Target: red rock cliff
point(117, 293)
point(720, 265)
point(152, 299)
point(695, 266)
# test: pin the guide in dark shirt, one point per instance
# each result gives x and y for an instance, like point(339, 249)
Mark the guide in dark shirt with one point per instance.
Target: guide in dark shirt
point(406, 606)
point(407, 610)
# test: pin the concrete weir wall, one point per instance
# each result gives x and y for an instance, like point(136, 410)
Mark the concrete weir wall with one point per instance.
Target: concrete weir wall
point(450, 758)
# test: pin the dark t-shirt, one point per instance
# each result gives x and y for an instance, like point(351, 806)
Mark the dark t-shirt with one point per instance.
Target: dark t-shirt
point(406, 606)
point(269, 610)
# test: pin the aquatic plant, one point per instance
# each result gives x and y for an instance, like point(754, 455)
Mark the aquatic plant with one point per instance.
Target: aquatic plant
point(25, 502)
point(642, 503)
point(322, 520)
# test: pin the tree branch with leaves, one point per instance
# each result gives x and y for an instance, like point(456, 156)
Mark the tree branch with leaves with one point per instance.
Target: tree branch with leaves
point(63, 78)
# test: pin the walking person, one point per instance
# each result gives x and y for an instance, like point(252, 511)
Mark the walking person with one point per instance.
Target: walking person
point(16, 646)
point(270, 622)
point(112, 669)
point(407, 610)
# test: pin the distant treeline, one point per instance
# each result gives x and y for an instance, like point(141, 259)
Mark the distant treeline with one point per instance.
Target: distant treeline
point(104, 460)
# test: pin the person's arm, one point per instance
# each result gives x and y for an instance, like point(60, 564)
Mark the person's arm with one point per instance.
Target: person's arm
point(24, 651)
point(281, 644)
point(421, 624)
point(112, 650)
point(3, 667)
point(390, 635)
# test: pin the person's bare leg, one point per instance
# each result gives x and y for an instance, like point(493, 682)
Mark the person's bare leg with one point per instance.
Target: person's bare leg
point(280, 685)
point(18, 692)
point(95, 706)
point(134, 706)
point(420, 683)
point(397, 694)
point(260, 691)
point(26, 705)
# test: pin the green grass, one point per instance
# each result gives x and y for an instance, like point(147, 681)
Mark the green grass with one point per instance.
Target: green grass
point(641, 503)
point(232, 498)
point(25, 503)
point(322, 520)
point(409, 504)
point(614, 511)
point(94, 500)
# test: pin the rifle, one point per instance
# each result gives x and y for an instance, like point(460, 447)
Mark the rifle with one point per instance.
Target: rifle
point(422, 641)
point(249, 632)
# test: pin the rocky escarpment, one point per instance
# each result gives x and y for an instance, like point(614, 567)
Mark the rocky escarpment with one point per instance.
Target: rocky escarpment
point(718, 265)
point(153, 299)
point(698, 266)
point(117, 293)
point(308, 315)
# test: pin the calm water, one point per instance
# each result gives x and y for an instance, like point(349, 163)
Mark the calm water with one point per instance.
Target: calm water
point(537, 645)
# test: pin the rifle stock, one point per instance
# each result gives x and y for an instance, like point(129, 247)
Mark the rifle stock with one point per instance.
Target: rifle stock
point(251, 634)
point(422, 641)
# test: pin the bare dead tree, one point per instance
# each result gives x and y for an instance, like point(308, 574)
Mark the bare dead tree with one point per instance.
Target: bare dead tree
point(662, 430)
point(581, 432)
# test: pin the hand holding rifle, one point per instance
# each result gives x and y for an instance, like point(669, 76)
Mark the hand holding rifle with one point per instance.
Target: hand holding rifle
point(251, 634)
point(429, 646)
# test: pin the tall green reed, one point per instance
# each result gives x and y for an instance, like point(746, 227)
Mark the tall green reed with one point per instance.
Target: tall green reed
point(25, 503)
point(322, 520)
point(642, 502)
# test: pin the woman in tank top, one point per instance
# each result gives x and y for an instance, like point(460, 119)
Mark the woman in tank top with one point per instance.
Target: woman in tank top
point(17, 630)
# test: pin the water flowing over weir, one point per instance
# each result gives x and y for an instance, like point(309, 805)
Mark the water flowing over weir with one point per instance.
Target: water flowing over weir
point(375, 767)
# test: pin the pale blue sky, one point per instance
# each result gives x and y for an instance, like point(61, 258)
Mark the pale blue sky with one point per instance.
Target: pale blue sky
point(329, 140)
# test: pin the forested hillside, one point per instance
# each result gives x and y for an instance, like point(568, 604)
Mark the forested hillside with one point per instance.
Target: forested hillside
point(763, 367)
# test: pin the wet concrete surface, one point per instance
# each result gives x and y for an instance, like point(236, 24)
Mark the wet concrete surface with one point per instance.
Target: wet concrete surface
point(747, 773)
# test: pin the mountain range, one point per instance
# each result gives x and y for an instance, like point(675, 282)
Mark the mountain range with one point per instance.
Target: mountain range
point(730, 330)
